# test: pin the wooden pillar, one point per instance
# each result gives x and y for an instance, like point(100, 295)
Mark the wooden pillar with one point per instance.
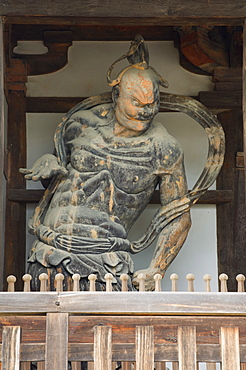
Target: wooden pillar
point(11, 348)
point(230, 353)
point(2, 179)
point(231, 216)
point(15, 215)
point(244, 95)
point(56, 348)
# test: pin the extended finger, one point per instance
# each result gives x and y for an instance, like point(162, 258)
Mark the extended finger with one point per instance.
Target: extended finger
point(34, 176)
point(24, 170)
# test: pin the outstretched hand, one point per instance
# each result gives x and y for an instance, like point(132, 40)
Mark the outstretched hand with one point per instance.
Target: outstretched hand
point(149, 282)
point(44, 168)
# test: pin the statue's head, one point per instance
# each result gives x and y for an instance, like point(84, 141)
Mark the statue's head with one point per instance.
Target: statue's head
point(136, 90)
point(136, 99)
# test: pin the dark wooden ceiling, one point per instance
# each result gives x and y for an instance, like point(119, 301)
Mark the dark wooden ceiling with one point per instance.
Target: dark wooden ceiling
point(125, 12)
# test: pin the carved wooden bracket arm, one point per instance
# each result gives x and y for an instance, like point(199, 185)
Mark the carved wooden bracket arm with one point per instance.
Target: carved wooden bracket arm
point(56, 58)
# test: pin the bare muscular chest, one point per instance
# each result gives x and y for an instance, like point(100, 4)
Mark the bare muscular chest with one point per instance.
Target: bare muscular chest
point(131, 163)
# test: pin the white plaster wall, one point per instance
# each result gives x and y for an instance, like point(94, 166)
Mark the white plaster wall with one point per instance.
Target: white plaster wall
point(85, 75)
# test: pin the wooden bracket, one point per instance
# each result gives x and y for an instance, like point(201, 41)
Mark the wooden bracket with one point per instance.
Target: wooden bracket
point(204, 47)
point(57, 43)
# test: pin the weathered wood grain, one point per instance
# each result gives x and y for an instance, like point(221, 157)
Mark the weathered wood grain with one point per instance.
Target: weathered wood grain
point(167, 335)
point(56, 350)
point(18, 302)
point(210, 366)
point(130, 21)
point(102, 347)
point(230, 356)
point(244, 101)
point(227, 75)
point(187, 347)
point(15, 214)
point(81, 327)
point(125, 352)
point(122, 352)
point(11, 348)
point(81, 32)
point(231, 260)
point(25, 365)
point(155, 303)
point(2, 114)
point(221, 99)
point(169, 11)
point(144, 347)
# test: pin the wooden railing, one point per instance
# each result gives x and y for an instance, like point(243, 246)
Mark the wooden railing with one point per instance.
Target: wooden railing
point(134, 330)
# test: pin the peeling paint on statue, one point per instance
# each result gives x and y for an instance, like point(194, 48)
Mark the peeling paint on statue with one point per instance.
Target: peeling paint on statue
point(110, 157)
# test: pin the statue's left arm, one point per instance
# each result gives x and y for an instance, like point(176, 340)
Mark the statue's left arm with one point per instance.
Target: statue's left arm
point(173, 221)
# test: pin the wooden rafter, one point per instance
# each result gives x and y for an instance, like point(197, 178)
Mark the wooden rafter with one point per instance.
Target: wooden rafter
point(169, 11)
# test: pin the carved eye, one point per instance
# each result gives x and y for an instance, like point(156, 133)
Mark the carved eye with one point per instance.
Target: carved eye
point(136, 103)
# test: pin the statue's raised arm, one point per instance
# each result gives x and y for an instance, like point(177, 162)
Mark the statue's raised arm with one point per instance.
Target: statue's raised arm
point(110, 156)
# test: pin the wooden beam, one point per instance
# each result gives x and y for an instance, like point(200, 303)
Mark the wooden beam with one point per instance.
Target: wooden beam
point(125, 21)
point(34, 196)
point(82, 32)
point(221, 99)
point(181, 303)
point(125, 303)
point(171, 10)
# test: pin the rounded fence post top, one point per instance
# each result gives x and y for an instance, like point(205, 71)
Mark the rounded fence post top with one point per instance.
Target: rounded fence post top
point(11, 279)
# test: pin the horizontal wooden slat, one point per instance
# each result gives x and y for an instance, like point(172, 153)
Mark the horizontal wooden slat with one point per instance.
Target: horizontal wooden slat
point(210, 197)
point(221, 99)
point(130, 21)
point(33, 328)
point(25, 195)
point(124, 352)
point(94, 33)
point(34, 302)
point(155, 303)
point(170, 10)
point(231, 86)
point(165, 329)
